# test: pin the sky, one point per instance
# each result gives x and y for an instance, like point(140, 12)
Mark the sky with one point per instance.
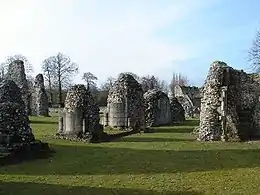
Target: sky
point(155, 37)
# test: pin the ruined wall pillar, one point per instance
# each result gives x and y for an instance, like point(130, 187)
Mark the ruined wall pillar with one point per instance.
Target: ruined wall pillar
point(16, 73)
point(80, 116)
point(126, 102)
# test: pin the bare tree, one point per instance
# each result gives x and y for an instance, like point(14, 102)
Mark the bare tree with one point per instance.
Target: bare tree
point(49, 76)
point(90, 79)
point(59, 70)
point(27, 65)
point(136, 77)
point(178, 79)
point(151, 82)
point(163, 86)
point(108, 84)
point(148, 83)
point(254, 53)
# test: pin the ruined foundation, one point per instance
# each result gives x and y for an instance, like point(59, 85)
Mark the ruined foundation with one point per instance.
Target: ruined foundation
point(230, 105)
point(190, 99)
point(80, 118)
point(16, 73)
point(125, 104)
point(157, 108)
point(39, 98)
point(177, 111)
point(17, 141)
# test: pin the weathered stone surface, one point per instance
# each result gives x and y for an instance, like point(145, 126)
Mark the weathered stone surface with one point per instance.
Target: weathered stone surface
point(157, 108)
point(125, 104)
point(81, 115)
point(16, 73)
point(15, 131)
point(177, 111)
point(39, 101)
point(242, 105)
point(14, 122)
point(190, 99)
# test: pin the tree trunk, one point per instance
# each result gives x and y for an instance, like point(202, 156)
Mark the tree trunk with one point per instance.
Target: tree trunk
point(50, 88)
point(60, 93)
point(51, 93)
point(59, 83)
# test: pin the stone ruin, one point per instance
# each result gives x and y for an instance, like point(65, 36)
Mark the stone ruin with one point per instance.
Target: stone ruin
point(16, 137)
point(190, 99)
point(16, 73)
point(125, 104)
point(230, 107)
point(178, 112)
point(39, 98)
point(157, 108)
point(80, 118)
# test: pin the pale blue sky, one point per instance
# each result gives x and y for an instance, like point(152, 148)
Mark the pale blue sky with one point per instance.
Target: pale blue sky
point(107, 37)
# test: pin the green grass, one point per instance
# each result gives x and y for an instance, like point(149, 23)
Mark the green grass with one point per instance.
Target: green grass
point(168, 161)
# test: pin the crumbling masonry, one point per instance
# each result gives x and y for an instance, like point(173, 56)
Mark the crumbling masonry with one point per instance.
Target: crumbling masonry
point(157, 108)
point(16, 73)
point(80, 117)
point(125, 104)
point(39, 100)
point(230, 107)
point(16, 138)
point(190, 99)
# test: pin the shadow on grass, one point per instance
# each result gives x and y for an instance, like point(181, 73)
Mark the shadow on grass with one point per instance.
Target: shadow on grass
point(152, 139)
point(22, 188)
point(43, 122)
point(187, 127)
point(174, 129)
point(116, 136)
point(82, 160)
point(33, 151)
point(192, 122)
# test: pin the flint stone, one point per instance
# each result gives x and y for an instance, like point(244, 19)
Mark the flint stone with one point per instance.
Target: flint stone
point(177, 111)
point(190, 99)
point(15, 133)
point(242, 111)
point(80, 117)
point(157, 108)
point(14, 122)
point(16, 73)
point(125, 104)
point(39, 102)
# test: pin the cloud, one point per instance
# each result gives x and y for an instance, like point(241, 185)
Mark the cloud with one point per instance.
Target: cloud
point(103, 37)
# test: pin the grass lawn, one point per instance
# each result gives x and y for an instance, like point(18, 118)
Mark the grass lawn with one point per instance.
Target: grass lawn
point(168, 161)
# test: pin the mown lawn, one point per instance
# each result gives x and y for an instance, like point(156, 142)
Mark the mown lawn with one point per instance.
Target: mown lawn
point(168, 161)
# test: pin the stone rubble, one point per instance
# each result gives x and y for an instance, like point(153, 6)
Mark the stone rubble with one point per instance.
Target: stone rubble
point(242, 105)
point(39, 101)
point(157, 108)
point(15, 132)
point(178, 112)
point(125, 104)
point(16, 73)
point(80, 117)
point(190, 99)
